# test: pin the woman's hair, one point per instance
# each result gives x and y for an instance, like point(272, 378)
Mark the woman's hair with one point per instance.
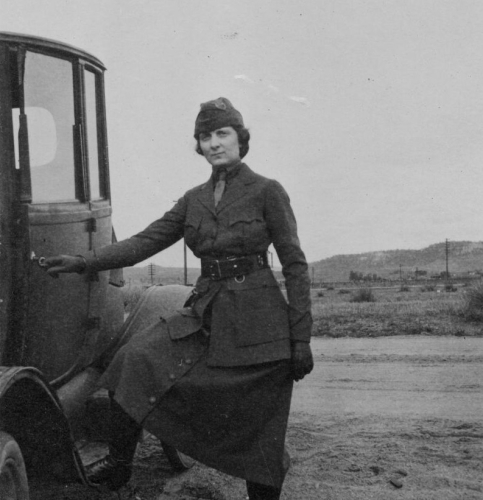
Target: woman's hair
point(243, 140)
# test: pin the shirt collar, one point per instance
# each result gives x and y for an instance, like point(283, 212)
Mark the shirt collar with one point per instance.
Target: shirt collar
point(231, 171)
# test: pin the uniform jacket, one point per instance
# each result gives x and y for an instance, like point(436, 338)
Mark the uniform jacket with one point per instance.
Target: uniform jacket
point(251, 321)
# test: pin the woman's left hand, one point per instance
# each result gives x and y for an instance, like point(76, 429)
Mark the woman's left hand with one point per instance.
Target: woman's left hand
point(302, 360)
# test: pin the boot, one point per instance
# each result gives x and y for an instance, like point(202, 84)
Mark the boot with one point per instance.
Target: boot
point(115, 469)
point(109, 472)
point(258, 491)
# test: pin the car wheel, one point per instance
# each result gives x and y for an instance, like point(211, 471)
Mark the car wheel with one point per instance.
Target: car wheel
point(13, 478)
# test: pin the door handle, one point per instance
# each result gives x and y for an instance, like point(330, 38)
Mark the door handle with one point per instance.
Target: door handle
point(39, 260)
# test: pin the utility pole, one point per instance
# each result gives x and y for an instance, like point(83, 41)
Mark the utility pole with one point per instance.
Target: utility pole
point(152, 272)
point(447, 259)
point(185, 263)
point(400, 272)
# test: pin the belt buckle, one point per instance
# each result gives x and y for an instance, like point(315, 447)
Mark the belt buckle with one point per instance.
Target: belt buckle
point(239, 278)
point(215, 272)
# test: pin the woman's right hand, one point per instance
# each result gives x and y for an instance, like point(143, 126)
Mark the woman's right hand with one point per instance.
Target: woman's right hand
point(64, 264)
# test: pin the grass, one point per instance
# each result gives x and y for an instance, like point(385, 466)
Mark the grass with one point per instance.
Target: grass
point(377, 312)
point(418, 311)
point(473, 307)
point(363, 295)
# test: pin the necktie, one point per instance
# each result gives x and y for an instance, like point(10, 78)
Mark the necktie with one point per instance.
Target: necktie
point(220, 185)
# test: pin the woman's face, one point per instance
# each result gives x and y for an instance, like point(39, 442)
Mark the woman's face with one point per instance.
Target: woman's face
point(220, 147)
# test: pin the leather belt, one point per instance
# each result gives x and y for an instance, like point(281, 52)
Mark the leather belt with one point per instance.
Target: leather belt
point(233, 267)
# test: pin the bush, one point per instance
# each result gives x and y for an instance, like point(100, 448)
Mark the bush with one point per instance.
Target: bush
point(428, 288)
point(363, 295)
point(404, 288)
point(473, 305)
point(344, 291)
point(320, 294)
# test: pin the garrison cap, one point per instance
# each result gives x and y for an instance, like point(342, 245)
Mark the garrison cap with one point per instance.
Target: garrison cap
point(217, 114)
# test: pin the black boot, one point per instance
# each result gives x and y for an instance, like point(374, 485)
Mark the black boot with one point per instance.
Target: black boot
point(258, 491)
point(109, 472)
point(115, 469)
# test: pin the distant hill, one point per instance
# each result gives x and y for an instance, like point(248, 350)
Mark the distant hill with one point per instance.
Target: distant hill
point(463, 257)
point(161, 275)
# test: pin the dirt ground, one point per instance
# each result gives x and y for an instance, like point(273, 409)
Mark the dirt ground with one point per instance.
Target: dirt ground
point(387, 418)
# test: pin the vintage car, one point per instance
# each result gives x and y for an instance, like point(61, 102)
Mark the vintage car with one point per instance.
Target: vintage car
point(54, 199)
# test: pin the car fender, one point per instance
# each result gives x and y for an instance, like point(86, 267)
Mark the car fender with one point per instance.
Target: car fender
point(30, 411)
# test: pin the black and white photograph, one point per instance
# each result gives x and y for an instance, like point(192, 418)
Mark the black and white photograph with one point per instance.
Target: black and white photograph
point(241, 250)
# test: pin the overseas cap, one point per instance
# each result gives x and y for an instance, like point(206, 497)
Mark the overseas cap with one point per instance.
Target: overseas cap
point(217, 114)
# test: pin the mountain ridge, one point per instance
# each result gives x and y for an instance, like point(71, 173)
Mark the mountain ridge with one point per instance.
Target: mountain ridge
point(464, 257)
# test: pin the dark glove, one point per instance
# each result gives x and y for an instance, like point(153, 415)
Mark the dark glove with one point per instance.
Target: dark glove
point(65, 264)
point(302, 360)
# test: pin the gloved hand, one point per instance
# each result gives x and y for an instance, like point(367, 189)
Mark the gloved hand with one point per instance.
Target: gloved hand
point(64, 264)
point(302, 360)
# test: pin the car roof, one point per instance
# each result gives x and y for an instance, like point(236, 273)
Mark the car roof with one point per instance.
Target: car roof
point(30, 41)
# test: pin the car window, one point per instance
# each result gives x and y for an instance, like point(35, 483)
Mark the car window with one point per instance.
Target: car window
point(49, 110)
point(92, 135)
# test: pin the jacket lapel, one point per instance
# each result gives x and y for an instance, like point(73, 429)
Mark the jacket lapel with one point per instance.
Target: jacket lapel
point(238, 188)
point(205, 196)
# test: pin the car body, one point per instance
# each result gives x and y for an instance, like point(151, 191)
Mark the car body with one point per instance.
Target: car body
point(54, 199)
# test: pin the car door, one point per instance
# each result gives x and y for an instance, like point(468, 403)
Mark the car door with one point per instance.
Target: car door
point(61, 156)
point(6, 202)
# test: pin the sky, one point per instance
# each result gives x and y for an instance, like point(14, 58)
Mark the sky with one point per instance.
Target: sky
point(370, 113)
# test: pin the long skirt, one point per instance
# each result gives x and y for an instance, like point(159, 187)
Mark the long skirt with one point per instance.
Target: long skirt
point(231, 419)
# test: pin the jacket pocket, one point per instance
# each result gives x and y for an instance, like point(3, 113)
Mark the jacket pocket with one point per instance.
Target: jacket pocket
point(246, 219)
point(247, 229)
point(260, 308)
point(182, 323)
point(193, 220)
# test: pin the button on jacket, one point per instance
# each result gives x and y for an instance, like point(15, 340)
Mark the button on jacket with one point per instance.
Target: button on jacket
point(251, 321)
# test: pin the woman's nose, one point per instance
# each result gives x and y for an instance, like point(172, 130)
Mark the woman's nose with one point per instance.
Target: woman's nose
point(214, 142)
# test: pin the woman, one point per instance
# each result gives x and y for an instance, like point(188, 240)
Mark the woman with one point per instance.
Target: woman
point(215, 381)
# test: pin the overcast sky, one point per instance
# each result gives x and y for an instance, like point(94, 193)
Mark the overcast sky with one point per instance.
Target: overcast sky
point(370, 113)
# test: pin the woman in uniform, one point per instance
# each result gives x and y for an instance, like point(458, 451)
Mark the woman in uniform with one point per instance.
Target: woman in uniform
point(214, 380)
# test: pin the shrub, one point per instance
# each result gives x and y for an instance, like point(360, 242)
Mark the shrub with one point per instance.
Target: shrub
point(320, 294)
point(363, 295)
point(404, 288)
point(428, 288)
point(473, 304)
point(344, 291)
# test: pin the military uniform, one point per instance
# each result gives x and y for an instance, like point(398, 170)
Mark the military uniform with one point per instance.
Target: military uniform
point(253, 213)
point(182, 372)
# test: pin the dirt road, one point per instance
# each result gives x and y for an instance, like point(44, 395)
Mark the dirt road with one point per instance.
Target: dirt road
point(402, 409)
point(433, 377)
point(392, 417)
